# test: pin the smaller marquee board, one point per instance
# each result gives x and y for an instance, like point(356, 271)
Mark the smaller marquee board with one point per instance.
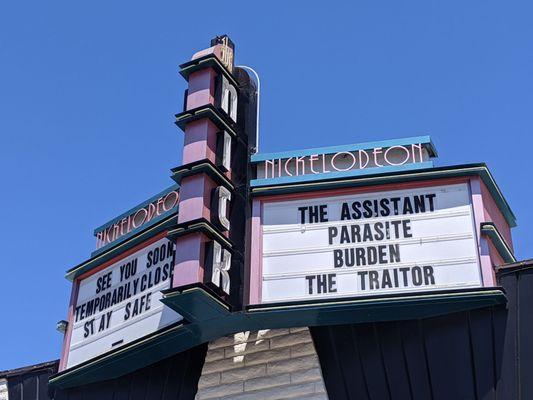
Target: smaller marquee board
point(116, 294)
point(120, 303)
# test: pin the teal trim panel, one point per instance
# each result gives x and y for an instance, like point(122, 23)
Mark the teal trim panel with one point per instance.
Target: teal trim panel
point(209, 318)
point(136, 231)
point(138, 237)
point(425, 140)
point(454, 171)
point(195, 304)
point(137, 207)
point(375, 309)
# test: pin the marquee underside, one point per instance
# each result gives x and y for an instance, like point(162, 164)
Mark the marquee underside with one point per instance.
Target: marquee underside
point(210, 318)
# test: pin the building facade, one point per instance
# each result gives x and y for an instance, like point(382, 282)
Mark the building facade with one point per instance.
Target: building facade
point(360, 271)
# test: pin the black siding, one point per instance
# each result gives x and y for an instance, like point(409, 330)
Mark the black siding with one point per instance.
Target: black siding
point(481, 354)
point(30, 382)
point(175, 378)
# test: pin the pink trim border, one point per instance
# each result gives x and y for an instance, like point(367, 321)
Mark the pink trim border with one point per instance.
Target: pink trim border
point(478, 208)
point(256, 251)
point(70, 318)
point(476, 197)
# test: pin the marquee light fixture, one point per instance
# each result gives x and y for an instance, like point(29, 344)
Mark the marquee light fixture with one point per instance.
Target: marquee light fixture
point(61, 326)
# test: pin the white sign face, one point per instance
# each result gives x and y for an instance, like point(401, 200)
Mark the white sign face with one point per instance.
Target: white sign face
point(369, 244)
point(121, 303)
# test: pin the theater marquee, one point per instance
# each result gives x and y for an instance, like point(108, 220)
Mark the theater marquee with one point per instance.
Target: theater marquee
point(355, 233)
point(120, 303)
point(369, 244)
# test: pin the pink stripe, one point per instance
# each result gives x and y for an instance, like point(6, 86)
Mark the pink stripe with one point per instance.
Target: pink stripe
point(487, 271)
point(216, 50)
point(195, 197)
point(201, 88)
point(256, 254)
point(495, 254)
point(200, 141)
point(70, 318)
point(493, 214)
point(189, 260)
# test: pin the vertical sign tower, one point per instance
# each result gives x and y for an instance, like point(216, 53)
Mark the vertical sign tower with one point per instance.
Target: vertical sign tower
point(219, 124)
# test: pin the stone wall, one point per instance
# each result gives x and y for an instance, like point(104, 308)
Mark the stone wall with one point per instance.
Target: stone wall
point(3, 389)
point(268, 364)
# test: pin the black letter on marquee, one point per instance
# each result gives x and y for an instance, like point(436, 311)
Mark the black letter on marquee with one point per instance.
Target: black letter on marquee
point(310, 280)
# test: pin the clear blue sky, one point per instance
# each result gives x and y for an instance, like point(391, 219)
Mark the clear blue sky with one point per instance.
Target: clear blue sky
point(88, 91)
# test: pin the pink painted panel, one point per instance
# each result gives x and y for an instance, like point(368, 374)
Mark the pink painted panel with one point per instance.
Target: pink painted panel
point(497, 260)
point(191, 199)
point(200, 141)
point(201, 88)
point(189, 260)
point(195, 197)
point(209, 185)
point(493, 214)
point(70, 318)
point(216, 50)
point(487, 265)
point(487, 270)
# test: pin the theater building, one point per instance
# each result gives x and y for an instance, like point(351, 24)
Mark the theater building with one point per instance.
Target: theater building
point(360, 271)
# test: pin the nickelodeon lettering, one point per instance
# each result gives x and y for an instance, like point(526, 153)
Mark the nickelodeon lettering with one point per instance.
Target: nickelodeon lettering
point(343, 161)
point(136, 219)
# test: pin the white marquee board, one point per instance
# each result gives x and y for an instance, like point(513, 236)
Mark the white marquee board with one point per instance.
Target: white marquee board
point(369, 244)
point(120, 303)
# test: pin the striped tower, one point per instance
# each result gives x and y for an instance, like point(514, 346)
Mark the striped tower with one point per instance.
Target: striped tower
point(218, 118)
